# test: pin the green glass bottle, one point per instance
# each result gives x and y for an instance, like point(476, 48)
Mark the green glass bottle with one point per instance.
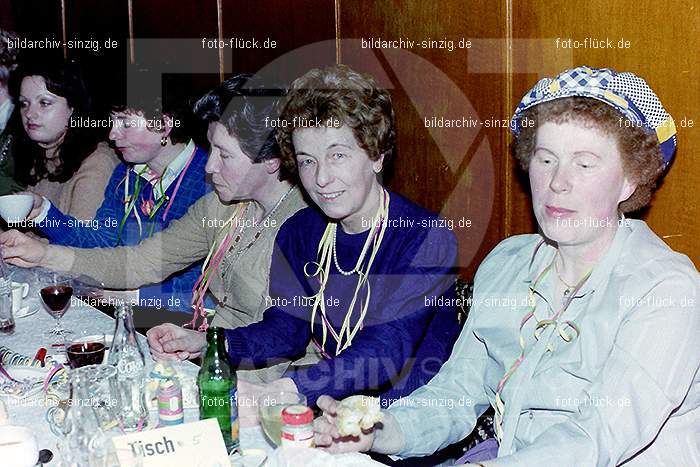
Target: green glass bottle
point(217, 388)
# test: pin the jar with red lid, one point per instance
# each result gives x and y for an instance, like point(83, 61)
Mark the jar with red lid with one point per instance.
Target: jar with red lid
point(297, 426)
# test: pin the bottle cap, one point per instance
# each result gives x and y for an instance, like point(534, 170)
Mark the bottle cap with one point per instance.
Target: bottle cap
point(297, 415)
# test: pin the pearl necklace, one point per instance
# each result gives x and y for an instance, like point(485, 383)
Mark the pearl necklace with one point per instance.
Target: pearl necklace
point(373, 231)
point(362, 254)
point(5, 148)
point(326, 251)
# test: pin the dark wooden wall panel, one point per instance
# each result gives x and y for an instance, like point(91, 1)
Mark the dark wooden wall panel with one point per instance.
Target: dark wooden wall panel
point(464, 173)
point(36, 20)
point(7, 16)
point(455, 171)
point(303, 30)
point(167, 37)
point(661, 44)
point(103, 68)
point(165, 18)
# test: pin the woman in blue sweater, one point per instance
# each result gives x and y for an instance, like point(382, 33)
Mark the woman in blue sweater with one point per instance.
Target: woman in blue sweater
point(161, 177)
point(363, 275)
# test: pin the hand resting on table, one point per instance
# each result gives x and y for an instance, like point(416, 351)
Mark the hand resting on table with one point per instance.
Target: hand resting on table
point(168, 341)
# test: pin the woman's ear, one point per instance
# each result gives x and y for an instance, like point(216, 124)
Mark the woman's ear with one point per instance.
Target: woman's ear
point(628, 189)
point(272, 165)
point(168, 125)
point(378, 164)
point(69, 123)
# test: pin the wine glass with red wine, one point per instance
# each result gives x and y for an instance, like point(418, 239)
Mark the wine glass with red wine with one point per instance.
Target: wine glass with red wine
point(56, 294)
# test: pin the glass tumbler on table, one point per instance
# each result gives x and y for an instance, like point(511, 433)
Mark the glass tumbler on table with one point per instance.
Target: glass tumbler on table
point(271, 405)
point(86, 349)
point(7, 319)
point(83, 437)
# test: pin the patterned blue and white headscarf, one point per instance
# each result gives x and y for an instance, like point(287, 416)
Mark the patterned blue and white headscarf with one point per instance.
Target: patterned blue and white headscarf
point(626, 92)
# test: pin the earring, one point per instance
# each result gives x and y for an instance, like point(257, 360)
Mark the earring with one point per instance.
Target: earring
point(164, 141)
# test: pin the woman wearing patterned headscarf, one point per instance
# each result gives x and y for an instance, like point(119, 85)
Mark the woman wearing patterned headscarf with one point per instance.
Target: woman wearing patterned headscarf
point(597, 364)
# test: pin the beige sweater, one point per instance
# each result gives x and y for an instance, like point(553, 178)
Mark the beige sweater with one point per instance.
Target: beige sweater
point(242, 283)
point(84, 193)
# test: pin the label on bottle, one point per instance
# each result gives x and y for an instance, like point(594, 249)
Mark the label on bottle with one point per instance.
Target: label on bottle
point(127, 369)
point(170, 408)
point(298, 436)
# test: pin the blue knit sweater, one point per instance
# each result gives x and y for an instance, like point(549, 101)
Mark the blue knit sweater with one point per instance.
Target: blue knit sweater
point(176, 292)
point(405, 338)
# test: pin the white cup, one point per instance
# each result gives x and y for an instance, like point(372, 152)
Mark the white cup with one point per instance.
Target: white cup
point(15, 208)
point(20, 290)
point(18, 447)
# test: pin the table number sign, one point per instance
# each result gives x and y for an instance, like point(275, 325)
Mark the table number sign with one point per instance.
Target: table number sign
point(194, 444)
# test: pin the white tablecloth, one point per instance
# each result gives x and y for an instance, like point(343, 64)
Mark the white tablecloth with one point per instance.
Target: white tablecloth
point(28, 338)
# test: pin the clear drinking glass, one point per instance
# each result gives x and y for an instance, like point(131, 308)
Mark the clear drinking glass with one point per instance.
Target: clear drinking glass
point(7, 319)
point(86, 348)
point(270, 406)
point(105, 403)
point(83, 434)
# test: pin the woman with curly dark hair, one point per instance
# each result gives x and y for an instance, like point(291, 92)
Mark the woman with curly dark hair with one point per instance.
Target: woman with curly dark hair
point(58, 156)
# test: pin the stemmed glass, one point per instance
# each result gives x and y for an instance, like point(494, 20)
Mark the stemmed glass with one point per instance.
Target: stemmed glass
point(56, 294)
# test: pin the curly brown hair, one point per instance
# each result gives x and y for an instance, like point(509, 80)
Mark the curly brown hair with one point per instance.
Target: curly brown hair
point(340, 93)
point(639, 148)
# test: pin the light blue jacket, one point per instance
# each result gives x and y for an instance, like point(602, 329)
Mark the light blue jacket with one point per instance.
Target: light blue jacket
point(627, 388)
